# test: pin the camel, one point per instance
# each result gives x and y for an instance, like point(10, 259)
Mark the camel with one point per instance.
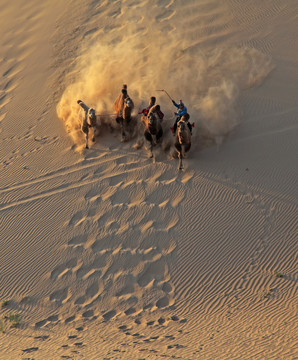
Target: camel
point(183, 138)
point(123, 106)
point(89, 121)
point(153, 128)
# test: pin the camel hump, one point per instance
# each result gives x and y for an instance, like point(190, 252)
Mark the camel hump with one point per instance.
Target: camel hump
point(154, 108)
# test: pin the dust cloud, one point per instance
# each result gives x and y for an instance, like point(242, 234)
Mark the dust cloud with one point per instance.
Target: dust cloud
point(208, 82)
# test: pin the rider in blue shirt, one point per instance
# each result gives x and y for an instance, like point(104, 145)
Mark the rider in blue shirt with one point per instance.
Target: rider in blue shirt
point(182, 110)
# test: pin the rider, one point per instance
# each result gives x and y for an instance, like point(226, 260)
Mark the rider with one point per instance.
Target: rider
point(145, 111)
point(182, 110)
point(119, 102)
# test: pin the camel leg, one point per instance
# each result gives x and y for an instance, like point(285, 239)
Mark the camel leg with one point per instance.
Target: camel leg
point(153, 143)
point(149, 138)
point(181, 155)
point(94, 129)
point(178, 148)
point(159, 136)
point(180, 161)
point(122, 130)
point(87, 147)
point(151, 149)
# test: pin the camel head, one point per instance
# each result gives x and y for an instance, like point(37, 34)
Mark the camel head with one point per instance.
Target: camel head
point(183, 134)
point(181, 125)
point(151, 119)
point(91, 113)
point(128, 102)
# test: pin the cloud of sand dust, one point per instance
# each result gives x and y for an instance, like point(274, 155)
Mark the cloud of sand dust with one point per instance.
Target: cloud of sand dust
point(208, 83)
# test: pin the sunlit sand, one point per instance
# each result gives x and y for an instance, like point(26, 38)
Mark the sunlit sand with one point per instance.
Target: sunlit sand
point(106, 253)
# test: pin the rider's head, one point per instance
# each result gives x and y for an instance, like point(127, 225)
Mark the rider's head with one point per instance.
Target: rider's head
point(181, 105)
point(152, 100)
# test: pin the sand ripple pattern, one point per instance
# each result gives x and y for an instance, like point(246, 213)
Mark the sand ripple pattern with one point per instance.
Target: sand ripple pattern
point(107, 254)
point(118, 244)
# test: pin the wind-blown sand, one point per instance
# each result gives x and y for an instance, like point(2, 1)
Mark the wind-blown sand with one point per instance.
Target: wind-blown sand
point(108, 254)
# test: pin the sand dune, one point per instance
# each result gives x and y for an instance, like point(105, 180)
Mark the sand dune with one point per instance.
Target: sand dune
point(108, 254)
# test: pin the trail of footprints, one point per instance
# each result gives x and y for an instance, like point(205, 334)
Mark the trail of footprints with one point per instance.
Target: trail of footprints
point(111, 258)
point(120, 219)
point(143, 284)
point(141, 334)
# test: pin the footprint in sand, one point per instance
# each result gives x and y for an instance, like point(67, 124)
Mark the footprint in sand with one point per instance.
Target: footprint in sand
point(60, 296)
point(112, 27)
point(109, 315)
point(4, 100)
point(90, 32)
point(48, 322)
point(164, 3)
point(10, 85)
point(167, 287)
point(130, 311)
point(42, 337)
point(85, 272)
point(157, 271)
point(78, 240)
point(77, 219)
point(70, 319)
point(164, 302)
point(92, 293)
point(114, 13)
point(165, 15)
point(93, 197)
point(187, 177)
point(30, 350)
point(63, 269)
point(88, 314)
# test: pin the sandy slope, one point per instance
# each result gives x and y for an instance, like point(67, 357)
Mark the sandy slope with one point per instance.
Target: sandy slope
point(106, 254)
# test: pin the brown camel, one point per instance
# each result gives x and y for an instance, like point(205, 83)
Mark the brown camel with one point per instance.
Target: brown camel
point(183, 138)
point(123, 106)
point(153, 129)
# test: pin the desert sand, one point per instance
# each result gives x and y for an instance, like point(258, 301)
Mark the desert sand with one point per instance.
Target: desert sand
point(108, 254)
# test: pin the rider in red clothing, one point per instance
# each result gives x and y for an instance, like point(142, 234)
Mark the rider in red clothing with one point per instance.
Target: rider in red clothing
point(145, 111)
